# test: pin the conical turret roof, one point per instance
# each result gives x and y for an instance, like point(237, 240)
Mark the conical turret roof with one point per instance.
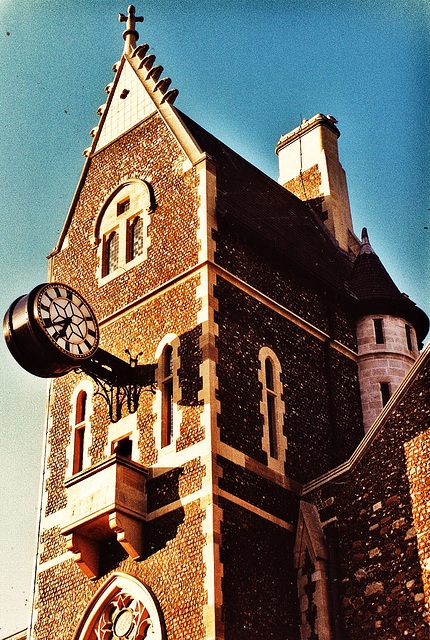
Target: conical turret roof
point(378, 294)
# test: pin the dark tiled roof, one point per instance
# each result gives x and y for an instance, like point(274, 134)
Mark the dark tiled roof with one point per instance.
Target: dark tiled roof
point(272, 213)
point(377, 292)
point(286, 225)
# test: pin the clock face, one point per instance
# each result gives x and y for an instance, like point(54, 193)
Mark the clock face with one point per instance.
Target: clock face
point(67, 320)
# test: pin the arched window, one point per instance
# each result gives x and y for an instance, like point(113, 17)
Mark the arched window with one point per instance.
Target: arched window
point(136, 238)
point(167, 397)
point(79, 432)
point(122, 608)
point(167, 405)
point(81, 406)
point(111, 253)
point(272, 407)
point(81, 409)
point(121, 229)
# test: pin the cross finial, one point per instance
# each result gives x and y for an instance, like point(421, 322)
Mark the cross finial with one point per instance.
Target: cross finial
point(130, 34)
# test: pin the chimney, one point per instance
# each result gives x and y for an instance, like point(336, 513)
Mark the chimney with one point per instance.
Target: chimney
point(309, 167)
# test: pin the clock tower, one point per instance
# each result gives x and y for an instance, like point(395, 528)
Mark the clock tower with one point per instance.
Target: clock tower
point(206, 336)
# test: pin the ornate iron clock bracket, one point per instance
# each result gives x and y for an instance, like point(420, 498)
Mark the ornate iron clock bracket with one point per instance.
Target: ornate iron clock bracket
point(118, 382)
point(52, 330)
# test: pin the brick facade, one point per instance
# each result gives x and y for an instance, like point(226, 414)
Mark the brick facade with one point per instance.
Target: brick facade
point(378, 506)
point(247, 293)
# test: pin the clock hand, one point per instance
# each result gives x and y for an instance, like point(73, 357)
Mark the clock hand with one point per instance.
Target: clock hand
point(52, 323)
point(66, 324)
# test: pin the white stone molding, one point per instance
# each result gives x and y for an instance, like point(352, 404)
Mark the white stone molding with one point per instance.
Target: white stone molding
point(120, 592)
point(172, 340)
point(311, 541)
point(87, 387)
point(276, 463)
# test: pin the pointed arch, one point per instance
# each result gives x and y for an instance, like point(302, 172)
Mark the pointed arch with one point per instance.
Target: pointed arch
point(167, 396)
point(311, 558)
point(123, 604)
point(120, 230)
point(272, 407)
point(80, 424)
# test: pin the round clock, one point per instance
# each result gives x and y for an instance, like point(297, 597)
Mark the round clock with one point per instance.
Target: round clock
point(51, 330)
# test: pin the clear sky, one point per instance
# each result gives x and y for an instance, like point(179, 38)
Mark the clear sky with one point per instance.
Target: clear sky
point(246, 70)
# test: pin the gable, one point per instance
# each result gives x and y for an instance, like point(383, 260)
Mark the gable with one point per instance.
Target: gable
point(128, 104)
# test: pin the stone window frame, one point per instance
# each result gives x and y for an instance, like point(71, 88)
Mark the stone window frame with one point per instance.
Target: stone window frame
point(80, 430)
point(118, 592)
point(170, 340)
point(281, 444)
point(409, 334)
point(112, 218)
point(378, 328)
point(125, 429)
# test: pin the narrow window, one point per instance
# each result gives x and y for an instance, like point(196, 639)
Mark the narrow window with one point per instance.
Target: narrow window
point(379, 332)
point(124, 448)
point(136, 238)
point(78, 449)
point(385, 392)
point(167, 397)
point(123, 207)
point(271, 408)
point(81, 407)
point(112, 253)
point(408, 337)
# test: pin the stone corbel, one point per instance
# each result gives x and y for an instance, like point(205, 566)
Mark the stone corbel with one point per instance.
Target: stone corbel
point(86, 553)
point(128, 533)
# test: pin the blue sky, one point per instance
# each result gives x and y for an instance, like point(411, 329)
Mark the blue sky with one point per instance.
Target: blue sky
point(246, 70)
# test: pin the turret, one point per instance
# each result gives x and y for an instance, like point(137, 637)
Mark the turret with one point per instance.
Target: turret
point(390, 330)
point(309, 167)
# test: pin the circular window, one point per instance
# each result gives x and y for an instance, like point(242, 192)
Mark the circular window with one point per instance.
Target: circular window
point(123, 609)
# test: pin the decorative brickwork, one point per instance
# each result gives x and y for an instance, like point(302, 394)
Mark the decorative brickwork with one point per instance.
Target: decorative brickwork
point(175, 551)
point(53, 544)
point(383, 532)
point(142, 154)
point(174, 484)
point(307, 186)
point(264, 605)
point(243, 256)
point(258, 491)
point(308, 380)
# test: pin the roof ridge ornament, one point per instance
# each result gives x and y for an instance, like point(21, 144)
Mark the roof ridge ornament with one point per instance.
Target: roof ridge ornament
point(130, 34)
point(366, 247)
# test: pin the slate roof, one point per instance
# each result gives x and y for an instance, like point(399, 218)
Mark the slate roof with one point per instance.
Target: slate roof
point(275, 215)
point(377, 292)
point(291, 228)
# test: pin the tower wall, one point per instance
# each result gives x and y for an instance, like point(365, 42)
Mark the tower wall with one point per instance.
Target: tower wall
point(138, 307)
point(309, 167)
point(382, 363)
